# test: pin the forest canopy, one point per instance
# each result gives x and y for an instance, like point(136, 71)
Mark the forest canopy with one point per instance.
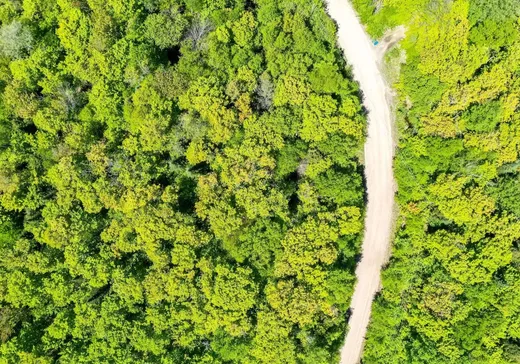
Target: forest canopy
point(451, 289)
point(170, 176)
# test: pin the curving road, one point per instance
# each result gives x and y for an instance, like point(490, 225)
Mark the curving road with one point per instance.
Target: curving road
point(365, 61)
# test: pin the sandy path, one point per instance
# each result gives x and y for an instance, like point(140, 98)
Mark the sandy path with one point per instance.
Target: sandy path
point(365, 58)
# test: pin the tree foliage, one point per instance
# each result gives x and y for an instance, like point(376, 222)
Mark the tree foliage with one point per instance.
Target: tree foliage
point(450, 291)
point(179, 182)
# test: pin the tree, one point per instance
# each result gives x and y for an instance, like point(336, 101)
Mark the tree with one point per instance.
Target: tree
point(447, 289)
point(165, 28)
point(163, 196)
point(15, 40)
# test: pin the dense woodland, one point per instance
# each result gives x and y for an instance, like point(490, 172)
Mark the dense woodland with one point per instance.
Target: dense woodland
point(452, 289)
point(180, 182)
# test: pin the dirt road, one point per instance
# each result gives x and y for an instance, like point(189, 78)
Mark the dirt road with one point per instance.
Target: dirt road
point(365, 60)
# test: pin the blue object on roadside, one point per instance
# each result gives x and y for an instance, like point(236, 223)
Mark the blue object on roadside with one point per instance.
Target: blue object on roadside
point(375, 42)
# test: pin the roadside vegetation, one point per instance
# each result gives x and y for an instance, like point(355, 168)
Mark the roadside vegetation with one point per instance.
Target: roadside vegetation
point(451, 289)
point(179, 182)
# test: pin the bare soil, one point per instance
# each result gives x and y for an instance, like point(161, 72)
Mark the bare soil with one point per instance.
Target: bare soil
point(366, 59)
